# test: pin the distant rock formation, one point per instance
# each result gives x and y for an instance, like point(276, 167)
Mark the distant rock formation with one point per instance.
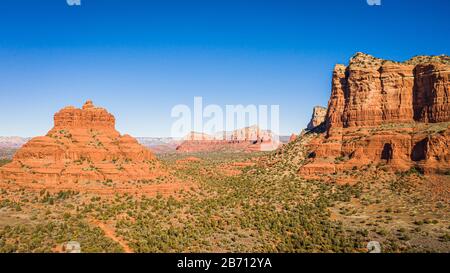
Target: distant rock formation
point(82, 146)
point(193, 136)
point(12, 142)
point(159, 145)
point(384, 112)
point(249, 139)
point(318, 117)
point(372, 91)
point(252, 133)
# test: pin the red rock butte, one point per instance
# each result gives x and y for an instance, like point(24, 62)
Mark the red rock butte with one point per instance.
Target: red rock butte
point(372, 91)
point(385, 112)
point(83, 146)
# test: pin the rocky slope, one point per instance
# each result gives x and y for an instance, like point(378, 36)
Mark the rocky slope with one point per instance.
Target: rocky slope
point(385, 112)
point(83, 146)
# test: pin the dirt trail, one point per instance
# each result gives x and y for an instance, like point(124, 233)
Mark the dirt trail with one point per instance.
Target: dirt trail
point(109, 232)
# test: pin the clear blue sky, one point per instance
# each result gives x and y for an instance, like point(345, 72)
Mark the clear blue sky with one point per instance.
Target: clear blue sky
point(140, 58)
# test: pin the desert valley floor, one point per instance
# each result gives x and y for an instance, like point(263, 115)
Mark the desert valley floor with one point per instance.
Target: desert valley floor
point(233, 202)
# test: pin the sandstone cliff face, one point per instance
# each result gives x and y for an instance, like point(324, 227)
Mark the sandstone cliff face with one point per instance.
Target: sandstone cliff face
point(318, 117)
point(425, 147)
point(371, 92)
point(382, 112)
point(431, 92)
point(83, 146)
point(89, 117)
point(252, 133)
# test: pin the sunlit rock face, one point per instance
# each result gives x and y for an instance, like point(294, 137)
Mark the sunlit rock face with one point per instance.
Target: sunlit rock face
point(386, 112)
point(83, 145)
point(318, 117)
point(372, 91)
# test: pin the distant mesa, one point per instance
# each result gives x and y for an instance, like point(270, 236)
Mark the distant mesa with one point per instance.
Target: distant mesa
point(13, 142)
point(160, 145)
point(198, 136)
point(248, 139)
point(385, 112)
point(83, 146)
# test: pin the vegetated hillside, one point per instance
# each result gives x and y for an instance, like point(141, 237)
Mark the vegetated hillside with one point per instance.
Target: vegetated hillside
point(404, 210)
point(237, 203)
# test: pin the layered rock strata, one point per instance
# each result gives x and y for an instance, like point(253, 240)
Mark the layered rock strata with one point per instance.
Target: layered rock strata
point(384, 112)
point(82, 146)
